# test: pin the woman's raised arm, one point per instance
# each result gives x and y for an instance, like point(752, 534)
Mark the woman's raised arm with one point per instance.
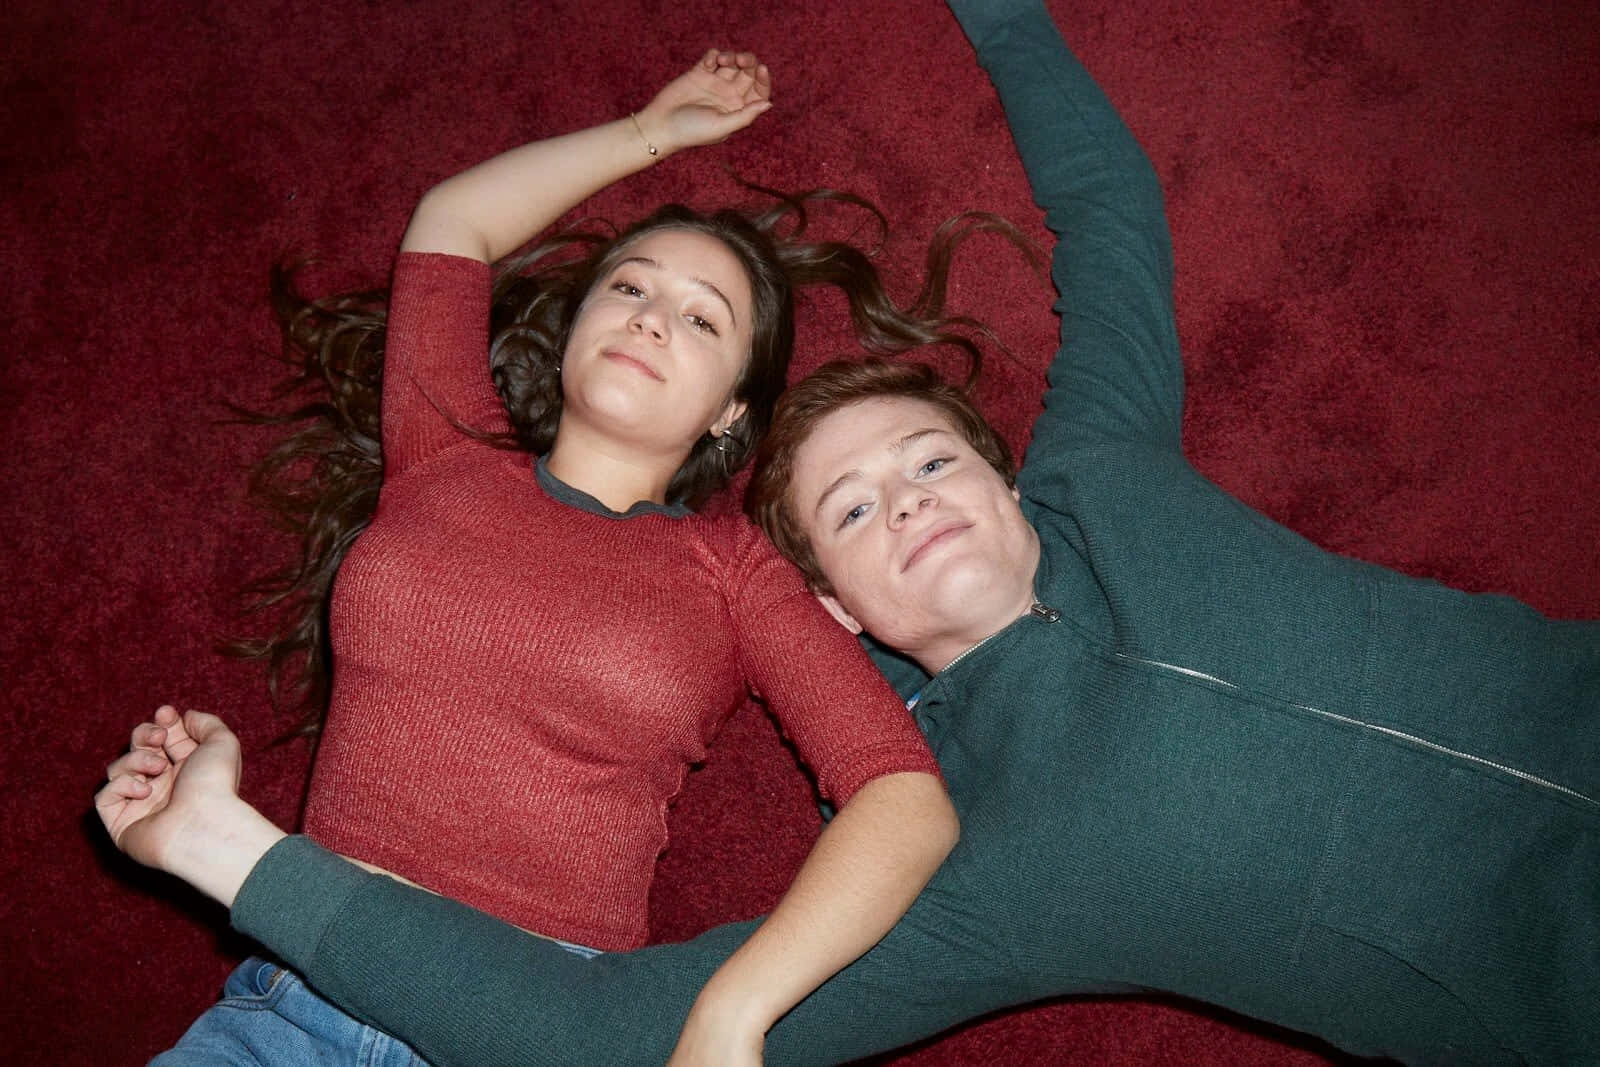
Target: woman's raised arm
point(436, 372)
point(497, 206)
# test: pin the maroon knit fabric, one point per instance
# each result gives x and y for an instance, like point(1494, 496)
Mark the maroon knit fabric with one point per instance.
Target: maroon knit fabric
point(520, 685)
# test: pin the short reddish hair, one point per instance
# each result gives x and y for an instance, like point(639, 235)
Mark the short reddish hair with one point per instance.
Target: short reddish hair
point(831, 387)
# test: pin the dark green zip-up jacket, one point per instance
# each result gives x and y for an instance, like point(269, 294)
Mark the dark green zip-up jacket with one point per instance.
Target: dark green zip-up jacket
point(1215, 760)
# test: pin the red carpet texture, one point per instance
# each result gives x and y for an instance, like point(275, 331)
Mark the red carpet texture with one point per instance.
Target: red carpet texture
point(1385, 219)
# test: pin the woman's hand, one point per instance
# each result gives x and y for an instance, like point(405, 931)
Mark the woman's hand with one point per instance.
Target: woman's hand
point(719, 96)
point(707, 1041)
point(149, 790)
point(172, 802)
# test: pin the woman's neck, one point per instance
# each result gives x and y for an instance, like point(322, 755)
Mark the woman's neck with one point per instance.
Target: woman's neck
point(613, 473)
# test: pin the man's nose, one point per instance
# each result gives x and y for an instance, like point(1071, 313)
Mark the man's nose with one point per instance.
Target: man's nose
point(907, 501)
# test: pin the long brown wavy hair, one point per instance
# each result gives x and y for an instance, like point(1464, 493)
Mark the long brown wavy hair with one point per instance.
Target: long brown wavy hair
point(321, 482)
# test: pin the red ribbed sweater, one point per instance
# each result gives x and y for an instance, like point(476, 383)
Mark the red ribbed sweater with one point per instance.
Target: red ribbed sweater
point(521, 681)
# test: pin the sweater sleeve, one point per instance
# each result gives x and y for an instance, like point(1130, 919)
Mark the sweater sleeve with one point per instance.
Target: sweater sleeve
point(844, 719)
point(467, 990)
point(436, 358)
point(1117, 375)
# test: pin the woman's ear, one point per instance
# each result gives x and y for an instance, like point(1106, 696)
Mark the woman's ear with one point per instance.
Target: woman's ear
point(730, 415)
point(836, 609)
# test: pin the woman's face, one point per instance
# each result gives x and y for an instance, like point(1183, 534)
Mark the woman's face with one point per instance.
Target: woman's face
point(659, 343)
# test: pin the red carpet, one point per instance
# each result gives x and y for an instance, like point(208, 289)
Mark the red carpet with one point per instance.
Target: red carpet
point(1389, 288)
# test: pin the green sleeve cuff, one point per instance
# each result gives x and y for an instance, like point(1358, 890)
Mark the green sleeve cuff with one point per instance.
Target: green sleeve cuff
point(292, 896)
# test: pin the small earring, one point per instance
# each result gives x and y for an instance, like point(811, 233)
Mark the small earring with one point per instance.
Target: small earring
point(722, 443)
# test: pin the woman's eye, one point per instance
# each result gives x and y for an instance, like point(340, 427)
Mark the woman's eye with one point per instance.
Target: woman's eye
point(703, 325)
point(627, 288)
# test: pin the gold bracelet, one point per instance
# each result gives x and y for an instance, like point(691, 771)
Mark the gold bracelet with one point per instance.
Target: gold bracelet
point(654, 151)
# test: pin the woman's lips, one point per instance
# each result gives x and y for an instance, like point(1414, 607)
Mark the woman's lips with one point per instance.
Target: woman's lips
point(619, 356)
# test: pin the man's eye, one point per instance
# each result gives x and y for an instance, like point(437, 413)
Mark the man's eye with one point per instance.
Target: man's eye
point(933, 465)
point(852, 515)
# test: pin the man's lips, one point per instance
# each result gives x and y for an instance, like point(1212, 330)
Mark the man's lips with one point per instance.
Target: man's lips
point(933, 538)
point(616, 355)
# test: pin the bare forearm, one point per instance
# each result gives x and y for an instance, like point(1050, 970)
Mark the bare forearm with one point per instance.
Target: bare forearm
point(218, 849)
point(864, 872)
point(495, 207)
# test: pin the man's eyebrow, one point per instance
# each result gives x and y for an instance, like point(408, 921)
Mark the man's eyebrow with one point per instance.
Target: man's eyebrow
point(701, 282)
point(836, 484)
point(896, 447)
point(913, 437)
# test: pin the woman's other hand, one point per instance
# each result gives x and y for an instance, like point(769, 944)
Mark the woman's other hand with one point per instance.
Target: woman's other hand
point(717, 97)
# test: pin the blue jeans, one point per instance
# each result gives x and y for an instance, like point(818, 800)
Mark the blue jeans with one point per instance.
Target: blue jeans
point(268, 1015)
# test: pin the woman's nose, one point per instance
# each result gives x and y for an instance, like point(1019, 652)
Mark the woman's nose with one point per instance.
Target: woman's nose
point(648, 321)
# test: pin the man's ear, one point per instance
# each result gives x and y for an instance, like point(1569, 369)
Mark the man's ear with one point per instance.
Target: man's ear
point(836, 609)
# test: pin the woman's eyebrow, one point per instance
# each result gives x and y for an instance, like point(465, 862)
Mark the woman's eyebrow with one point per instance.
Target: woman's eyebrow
point(701, 282)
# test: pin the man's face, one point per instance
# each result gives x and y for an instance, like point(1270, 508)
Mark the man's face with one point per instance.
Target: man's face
point(923, 542)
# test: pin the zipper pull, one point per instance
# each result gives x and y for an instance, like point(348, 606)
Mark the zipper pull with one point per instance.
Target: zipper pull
point(1041, 611)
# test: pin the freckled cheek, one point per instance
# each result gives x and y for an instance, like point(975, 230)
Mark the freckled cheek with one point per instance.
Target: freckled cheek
point(857, 578)
point(883, 578)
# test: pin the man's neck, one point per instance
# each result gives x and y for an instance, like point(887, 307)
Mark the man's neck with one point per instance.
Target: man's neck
point(945, 649)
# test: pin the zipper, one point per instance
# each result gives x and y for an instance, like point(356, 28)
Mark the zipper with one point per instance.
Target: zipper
point(1036, 610)
point(1045, 612)
point(1400, 735)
